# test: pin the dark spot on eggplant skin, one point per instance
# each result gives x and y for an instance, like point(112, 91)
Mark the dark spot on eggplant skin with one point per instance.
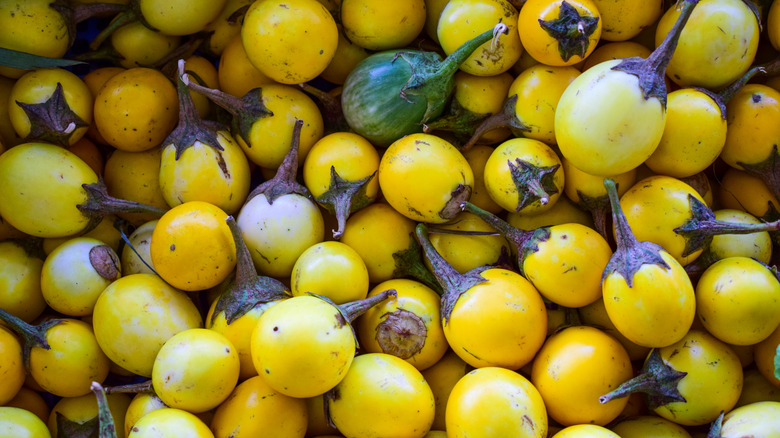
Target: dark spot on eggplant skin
point(527, 419)
point(756, 97)
point(173, 247)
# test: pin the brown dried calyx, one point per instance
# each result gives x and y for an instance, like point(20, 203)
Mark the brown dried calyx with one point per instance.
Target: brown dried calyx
point(402, 333)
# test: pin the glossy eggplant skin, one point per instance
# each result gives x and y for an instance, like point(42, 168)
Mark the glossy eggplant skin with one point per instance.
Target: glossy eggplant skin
point(374, 104)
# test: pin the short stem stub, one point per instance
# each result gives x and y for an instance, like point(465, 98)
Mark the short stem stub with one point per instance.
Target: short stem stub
point(458, 196)
point(657, 379)
point(247, 290)
point(453, 283)
point(105, 262)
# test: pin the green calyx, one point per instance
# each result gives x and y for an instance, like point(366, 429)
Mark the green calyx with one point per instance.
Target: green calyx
point(630, 255)
point(409, 263)
point(571, 30)
point(344, 197)
point(432, 78)
point(459, 121)
point(52, 120)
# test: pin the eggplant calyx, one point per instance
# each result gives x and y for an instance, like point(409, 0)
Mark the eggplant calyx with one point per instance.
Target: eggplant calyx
point(631, 254)
point(768, 170)
point(99, 204)
point(534, 183)
point(245, 111)
point(285, 181)
point(459, 121)
point(191, 128)
point(657, 379)
point(525, 242)
point(32, 335)
point(52, 120)
point(453, 282)
point(431, 77)
point(699, 230)
point(247, 290)
point(344, 197)
point(571, 30)
point(507, 117)
point(651, 71)
point(409, 263)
